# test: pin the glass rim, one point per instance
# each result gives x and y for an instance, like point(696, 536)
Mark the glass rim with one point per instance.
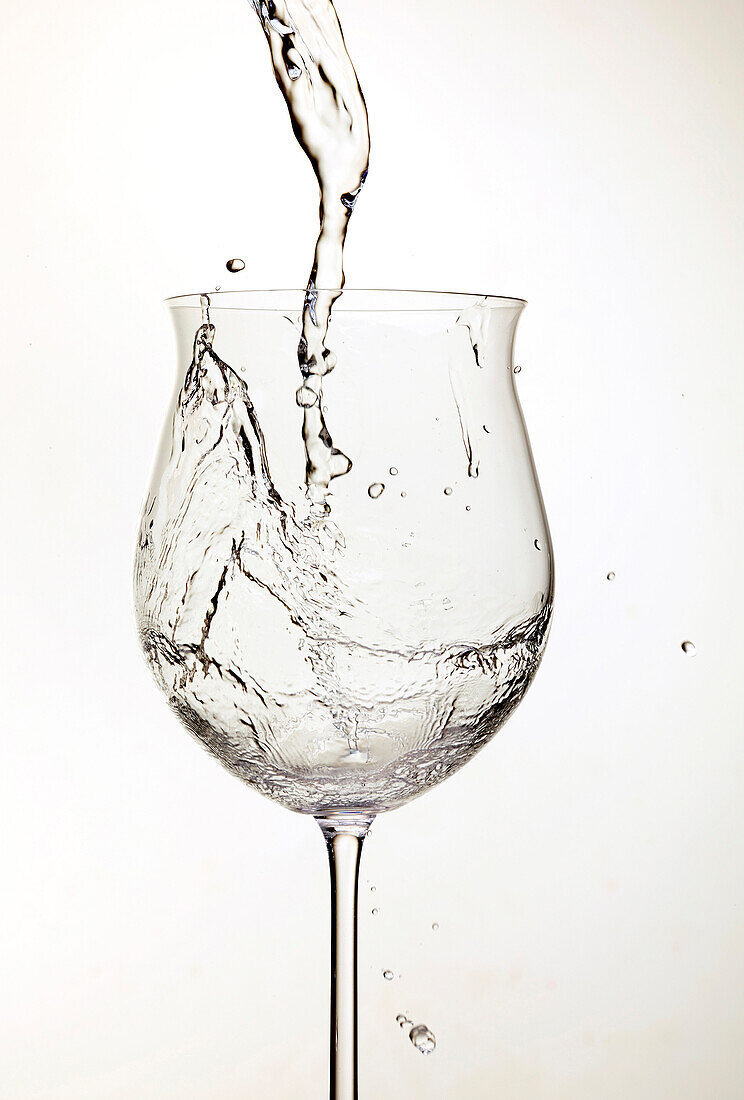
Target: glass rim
point(279, 300)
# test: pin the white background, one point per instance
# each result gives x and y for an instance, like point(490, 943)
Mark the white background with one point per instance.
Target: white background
point(164, 929)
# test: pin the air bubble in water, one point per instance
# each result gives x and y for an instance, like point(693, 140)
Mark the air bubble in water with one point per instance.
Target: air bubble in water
point(422, 1039)
point(388, 975)
point(610, 576)
point(537, 544)
point(235, 265)
point(448, 491)
point(393, 470)
point(279, 27)
point(688, 648)
point(306, 397)
point(376, 489)
point(517, 370)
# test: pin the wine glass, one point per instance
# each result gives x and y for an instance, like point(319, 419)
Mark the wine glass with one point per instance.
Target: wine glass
point(343, 650)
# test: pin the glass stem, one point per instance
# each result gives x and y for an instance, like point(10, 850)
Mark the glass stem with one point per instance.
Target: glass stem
point(344, 835)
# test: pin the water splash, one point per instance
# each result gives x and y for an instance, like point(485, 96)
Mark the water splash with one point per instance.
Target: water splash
point(459, 391)
point(317, 728)
point(476, 320)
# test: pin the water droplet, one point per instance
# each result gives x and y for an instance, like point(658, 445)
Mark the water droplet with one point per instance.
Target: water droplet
point(422, 1039)
point(689, 648)
point(610, 576)
point(485, 429)
point(393, 470)
point(517, 370)
point(435, 927)
point(388, 975)
point(448, 491)
point(473, 469)
point(403, 494)
point(235, 265)
point(537, 544)
point(467, 507)
point(376, 489)
point(375, 912)
point(403, 1021)
point(372, 889)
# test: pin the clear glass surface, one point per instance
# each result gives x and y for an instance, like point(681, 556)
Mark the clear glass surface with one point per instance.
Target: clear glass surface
point(344, 586)
point(342, 655)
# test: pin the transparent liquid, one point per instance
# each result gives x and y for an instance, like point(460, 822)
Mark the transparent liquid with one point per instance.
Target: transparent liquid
point(423, 1039)
point(269, 645)
point(329, 120)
